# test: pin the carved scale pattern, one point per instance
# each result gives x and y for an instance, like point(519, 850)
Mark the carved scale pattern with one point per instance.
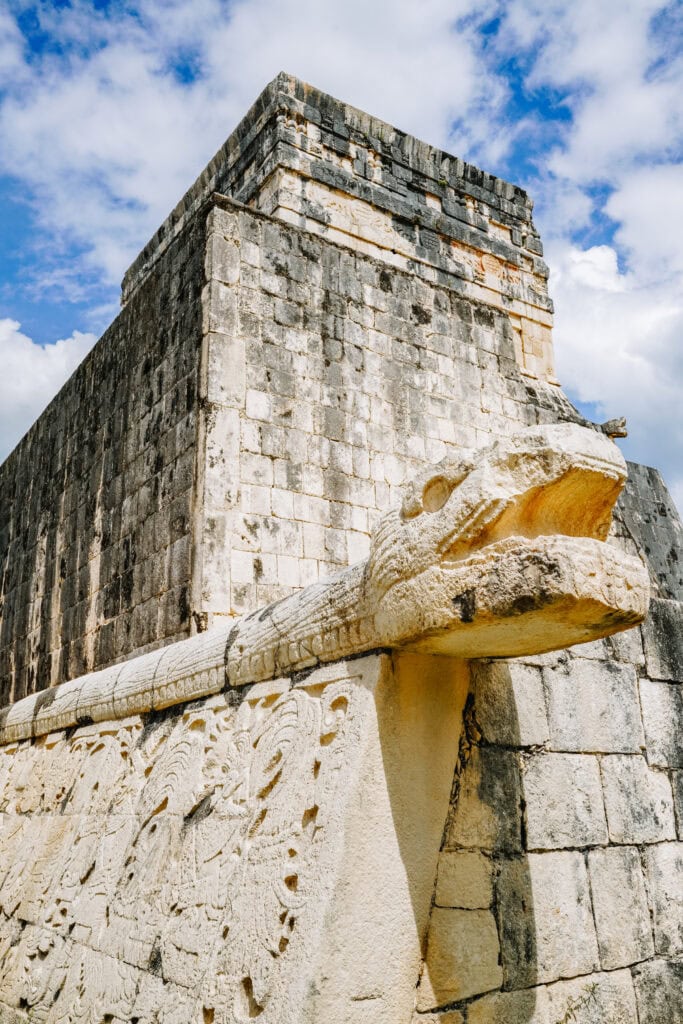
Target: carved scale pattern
point(155, 870)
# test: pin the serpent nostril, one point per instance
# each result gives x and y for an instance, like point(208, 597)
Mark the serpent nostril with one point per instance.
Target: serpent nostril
point(436, 493)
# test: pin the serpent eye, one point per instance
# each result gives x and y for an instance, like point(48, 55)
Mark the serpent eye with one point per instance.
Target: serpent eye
point(436, 493)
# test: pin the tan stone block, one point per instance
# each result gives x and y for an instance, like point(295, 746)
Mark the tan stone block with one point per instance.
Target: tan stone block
point(462, 957)
point(510, 703)
point(664, 873)
point(593, 706)
point(464, 880)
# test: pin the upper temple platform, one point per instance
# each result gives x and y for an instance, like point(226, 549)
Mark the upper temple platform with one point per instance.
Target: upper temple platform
point(322, 165)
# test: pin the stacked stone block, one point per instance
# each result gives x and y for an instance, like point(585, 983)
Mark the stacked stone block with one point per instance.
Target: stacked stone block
point(560, 882)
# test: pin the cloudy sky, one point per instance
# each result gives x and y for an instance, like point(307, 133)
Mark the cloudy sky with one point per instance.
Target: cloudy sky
point(109, 110)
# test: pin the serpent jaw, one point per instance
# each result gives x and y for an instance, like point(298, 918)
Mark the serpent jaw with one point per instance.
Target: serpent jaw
point(511, 558)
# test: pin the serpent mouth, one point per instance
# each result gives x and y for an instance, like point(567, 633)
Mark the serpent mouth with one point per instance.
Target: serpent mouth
point(577, 503)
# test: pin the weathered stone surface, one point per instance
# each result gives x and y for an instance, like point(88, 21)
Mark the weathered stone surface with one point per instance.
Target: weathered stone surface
point(663, 641)
point(677, 785)
point(563, 800)
point(544, 915)
point(638, 800)
point(594, 999)
point(664, 873)
point(462, 957)
point(622, 916)
point(465, 880)
point(662, 705)
point(510, 703)
point(593, 706)
point(225, 849)
point(652, 521)
point(659, 991)
point(488, 813)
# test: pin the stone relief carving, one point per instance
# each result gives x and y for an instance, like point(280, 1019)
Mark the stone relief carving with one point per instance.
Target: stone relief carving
point(500, 554)
point(183, 849)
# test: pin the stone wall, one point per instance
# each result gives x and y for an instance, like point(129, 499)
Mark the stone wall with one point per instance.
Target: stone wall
point(250, 855)
point(330, 379)
point(96, 510)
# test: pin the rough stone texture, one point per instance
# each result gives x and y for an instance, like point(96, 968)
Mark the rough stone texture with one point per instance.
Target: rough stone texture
point(510, 704)
point(652, 521)
point(622, 916)
point(563, 798)
point(638, 801)
point(663, 639)
point(664, 873)
point(556, 885)
point(594, 707)
point(662, 705)
point(206, 864)
point(97, 499)
point(659, 991)
point(465, 880)
point(594, 999)
point(462, 957)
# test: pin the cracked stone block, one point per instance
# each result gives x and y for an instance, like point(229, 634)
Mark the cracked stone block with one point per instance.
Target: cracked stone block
point(510, 703)
point(544, 914)
point(462, 957)
point(593, 707)
point(659, 991)
point(638, 801)
point(662, 705)
point(563, 801)
point(622, 916)
point(594, 999)
point(663, 640)
point(664, 874)
point(464, 880)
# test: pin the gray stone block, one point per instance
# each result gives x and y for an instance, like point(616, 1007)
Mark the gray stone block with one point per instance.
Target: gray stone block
point(664, 873)
point(638, 800)
point(662, 705)
point(663, 640)
point(622, 916)
point(659, 992)
point(563, 800)
point(593, 707)
point(545, 921)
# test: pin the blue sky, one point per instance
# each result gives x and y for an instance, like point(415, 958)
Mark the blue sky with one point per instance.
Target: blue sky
point(109, 110)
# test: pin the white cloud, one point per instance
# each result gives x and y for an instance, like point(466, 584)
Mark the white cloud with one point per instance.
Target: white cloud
point(31, 376)
point(106, 136)
point(109, 140)
point(617, 343)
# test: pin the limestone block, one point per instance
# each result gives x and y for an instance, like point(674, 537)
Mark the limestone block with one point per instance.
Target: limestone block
point(677, 783)
point(449, 1017)
point(510, 703)
point(593, 706)
point(664, 874)
point(638, 800)
point(593, 999)
point(225, 369)
point(622, 916)
point(488, 814)
point(462, 957)
point(662, 705)
point(663, 640)
point(659, 991)
point(628, 647)
point(544, 915)
point(464, 880)
point(563, 799)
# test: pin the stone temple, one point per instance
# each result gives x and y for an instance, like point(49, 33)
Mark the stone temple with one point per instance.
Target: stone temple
point(341, 659)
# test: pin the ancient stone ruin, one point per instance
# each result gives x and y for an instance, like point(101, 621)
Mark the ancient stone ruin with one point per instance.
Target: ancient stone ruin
point(330, 691)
